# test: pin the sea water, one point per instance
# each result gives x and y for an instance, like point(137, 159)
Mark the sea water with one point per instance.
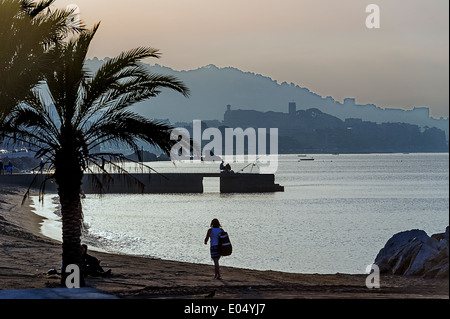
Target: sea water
point(335, 214)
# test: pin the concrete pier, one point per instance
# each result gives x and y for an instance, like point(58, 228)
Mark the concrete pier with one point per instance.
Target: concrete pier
point(156, 184)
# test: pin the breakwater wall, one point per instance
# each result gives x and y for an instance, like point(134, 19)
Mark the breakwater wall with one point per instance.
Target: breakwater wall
point(154, 183)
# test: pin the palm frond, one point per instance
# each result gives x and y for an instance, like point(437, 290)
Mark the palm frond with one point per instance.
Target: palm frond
point(33, 9)
point(28, 31)
point(128, 127)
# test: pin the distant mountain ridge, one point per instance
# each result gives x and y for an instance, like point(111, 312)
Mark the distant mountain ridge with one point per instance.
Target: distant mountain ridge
point(213, 88)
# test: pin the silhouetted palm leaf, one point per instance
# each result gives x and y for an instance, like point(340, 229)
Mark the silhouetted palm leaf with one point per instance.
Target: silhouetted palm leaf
point(28, 30)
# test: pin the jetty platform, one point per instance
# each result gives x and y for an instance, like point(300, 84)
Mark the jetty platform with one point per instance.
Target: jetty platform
point(167, 183)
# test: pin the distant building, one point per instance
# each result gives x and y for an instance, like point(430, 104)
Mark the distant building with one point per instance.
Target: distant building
point(292, 108)
point(350, 100)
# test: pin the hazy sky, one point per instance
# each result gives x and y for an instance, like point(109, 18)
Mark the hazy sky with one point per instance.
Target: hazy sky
point(323, 45)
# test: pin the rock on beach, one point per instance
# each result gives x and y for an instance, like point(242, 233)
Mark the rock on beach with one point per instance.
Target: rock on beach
point(414, 253)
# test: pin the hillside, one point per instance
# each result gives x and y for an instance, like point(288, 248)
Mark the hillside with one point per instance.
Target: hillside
point(213, 88)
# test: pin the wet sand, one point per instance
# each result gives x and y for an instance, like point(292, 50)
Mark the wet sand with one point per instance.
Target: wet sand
point(26, 257)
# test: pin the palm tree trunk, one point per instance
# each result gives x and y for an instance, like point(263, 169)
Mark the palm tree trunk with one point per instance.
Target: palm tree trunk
point(68, 176)
point(72, 217)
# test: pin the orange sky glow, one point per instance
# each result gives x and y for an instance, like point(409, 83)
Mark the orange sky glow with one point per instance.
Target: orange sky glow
point(322, 45)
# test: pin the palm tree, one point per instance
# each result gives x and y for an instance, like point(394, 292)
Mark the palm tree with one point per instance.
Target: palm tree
point(86, 110)
point(27, 30)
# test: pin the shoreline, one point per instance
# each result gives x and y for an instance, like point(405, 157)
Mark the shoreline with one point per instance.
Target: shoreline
point(27, 256)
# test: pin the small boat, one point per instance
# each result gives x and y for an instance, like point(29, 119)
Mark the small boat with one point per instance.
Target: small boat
point(306, 159)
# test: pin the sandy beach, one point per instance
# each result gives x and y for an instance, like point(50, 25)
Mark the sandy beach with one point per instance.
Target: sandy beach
point(26, 257)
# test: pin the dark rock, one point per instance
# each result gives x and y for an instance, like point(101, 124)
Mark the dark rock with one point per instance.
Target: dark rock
point(390, 255)
point(414, 253)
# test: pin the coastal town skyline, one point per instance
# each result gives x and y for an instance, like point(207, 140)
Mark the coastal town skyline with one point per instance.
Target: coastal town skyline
point(326, 47)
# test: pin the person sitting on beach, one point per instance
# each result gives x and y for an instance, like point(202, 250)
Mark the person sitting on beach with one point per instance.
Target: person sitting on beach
point(91, 265)
point(213, 234)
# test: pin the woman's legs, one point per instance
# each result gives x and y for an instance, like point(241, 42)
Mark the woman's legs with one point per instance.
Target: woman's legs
point(216, 268)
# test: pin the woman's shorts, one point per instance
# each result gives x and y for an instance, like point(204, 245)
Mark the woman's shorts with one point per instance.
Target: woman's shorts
point(215, 252)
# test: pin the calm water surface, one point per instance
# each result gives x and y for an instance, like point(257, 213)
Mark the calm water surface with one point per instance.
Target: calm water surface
point(336, 213)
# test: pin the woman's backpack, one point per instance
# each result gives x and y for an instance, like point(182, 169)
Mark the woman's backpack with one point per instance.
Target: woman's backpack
point(225, 246)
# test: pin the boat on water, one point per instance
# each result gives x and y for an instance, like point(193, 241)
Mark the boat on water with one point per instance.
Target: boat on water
point(304, 157)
